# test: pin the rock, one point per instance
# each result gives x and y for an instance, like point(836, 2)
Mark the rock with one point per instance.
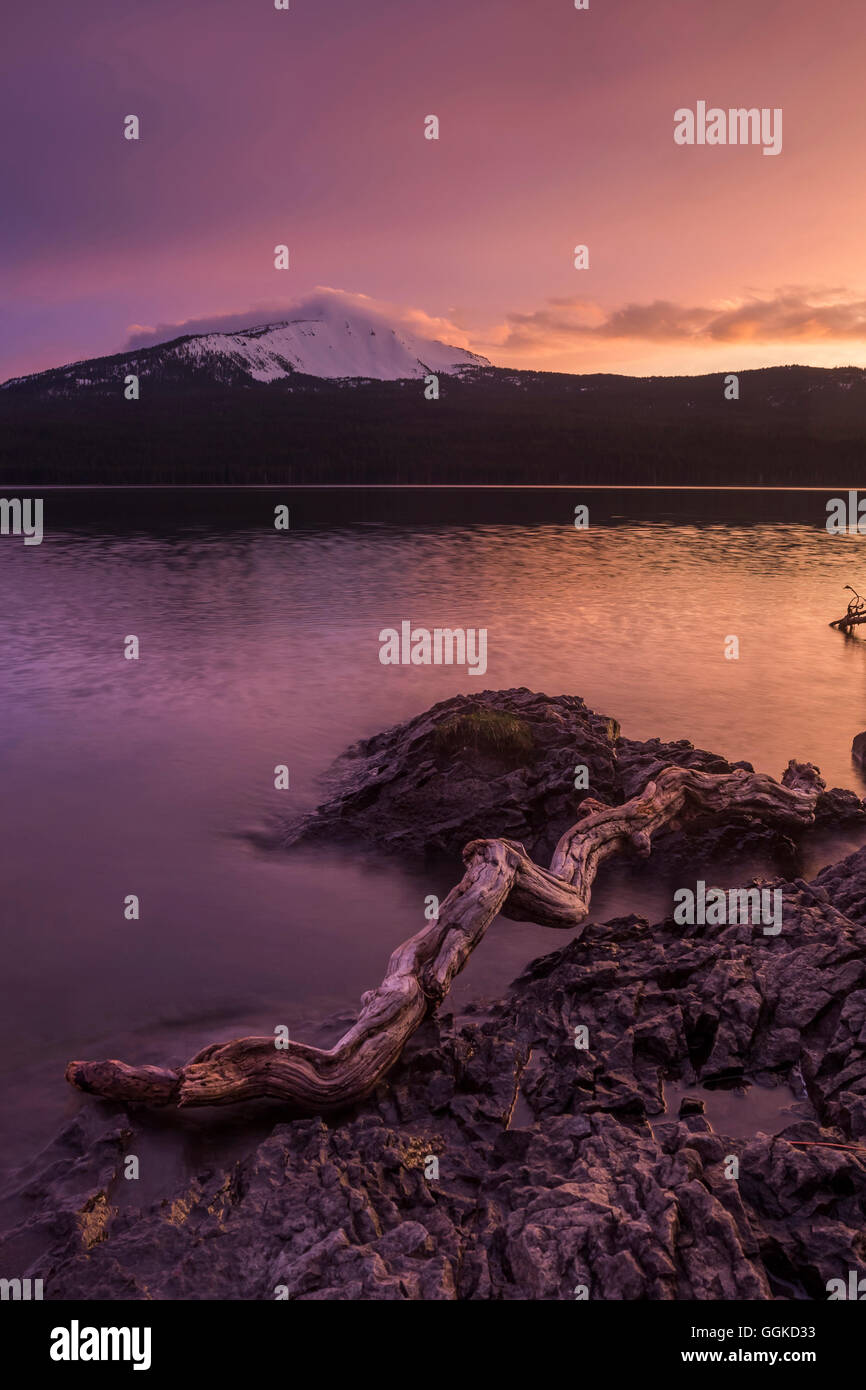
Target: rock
point(495, 763)
point(691, 1105)
point(501, 763)
point(845, 885)
point(838, 806)
point(548, 1174)
point(523, 1151)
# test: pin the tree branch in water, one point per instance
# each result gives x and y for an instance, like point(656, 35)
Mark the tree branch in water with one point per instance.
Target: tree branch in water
point(500, 878)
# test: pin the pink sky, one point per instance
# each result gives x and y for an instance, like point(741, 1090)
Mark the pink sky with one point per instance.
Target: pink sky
point(260, 127)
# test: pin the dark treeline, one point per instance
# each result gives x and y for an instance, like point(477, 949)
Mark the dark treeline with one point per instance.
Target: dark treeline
point(790, 426)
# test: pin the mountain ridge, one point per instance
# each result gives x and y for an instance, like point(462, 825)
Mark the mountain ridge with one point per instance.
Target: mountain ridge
point(238, 407)
point(330, 346)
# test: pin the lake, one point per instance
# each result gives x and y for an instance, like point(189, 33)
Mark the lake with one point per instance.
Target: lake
point(155, 777)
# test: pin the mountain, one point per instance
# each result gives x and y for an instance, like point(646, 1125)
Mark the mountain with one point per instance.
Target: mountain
point(331, 346)
point(337, 398)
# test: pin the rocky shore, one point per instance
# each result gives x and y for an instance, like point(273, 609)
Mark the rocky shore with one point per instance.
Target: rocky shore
point(504, 763)
point(500, 1160)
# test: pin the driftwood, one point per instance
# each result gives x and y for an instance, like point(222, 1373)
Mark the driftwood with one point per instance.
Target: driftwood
point(855, 614)
point(500, 878)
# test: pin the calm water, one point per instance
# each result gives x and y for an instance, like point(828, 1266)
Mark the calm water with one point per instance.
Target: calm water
point(259, 648)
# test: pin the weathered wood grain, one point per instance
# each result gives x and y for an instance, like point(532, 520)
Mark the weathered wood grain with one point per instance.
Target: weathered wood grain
point(501, 878)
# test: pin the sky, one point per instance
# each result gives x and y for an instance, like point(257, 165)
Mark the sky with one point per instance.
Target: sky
point(305, 127)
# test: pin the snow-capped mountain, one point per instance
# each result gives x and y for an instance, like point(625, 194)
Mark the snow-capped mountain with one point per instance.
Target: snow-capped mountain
point(333, 345)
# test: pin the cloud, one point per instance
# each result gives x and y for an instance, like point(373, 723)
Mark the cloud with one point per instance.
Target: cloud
point(142, 335)
point(576, 334)
point(323, 300)
point(789, 316)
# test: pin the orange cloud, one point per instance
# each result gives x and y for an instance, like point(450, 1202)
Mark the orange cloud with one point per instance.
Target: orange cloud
point(790, 316)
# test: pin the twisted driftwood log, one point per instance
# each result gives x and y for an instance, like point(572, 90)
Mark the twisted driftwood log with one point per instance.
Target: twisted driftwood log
point(856, 612)
point(500, 878)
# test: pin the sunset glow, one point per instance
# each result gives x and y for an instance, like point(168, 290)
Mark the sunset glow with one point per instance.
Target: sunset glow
point(306, 127)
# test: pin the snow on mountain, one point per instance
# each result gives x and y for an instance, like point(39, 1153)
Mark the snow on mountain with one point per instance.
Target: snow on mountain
point(333, 345)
